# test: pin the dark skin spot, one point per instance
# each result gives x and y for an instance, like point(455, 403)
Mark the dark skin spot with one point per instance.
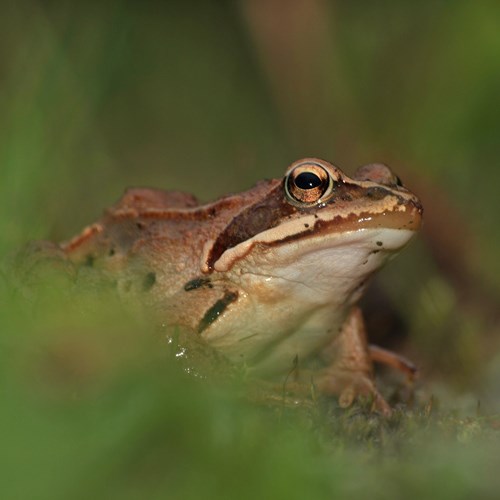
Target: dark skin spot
point(216, 310)
point(306, 225)
point(148, 281)
point(197, 283)
point(111, 252)
point(379, 243)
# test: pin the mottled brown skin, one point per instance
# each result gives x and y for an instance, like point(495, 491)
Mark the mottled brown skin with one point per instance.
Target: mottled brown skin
point(198, 266)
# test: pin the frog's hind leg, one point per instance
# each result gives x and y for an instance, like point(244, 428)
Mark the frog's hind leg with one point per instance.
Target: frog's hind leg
point(394, 360)
point(350, 370)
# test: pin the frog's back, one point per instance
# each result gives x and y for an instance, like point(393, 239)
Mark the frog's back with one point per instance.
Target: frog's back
point(151, 243)
point(172, 224)
point(149, 234)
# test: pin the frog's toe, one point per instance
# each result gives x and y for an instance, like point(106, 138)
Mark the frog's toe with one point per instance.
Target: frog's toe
point(347, 397)
point(353, 386)
point(380, 404)
point(365, 390)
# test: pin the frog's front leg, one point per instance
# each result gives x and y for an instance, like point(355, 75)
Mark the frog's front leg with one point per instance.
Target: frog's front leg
point(350, 370)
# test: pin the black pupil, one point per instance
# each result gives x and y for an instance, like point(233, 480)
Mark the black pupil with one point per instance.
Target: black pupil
point(307, 180)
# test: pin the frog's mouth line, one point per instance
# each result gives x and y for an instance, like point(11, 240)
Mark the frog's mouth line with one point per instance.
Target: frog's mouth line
point(385, 220)
point(313, 226)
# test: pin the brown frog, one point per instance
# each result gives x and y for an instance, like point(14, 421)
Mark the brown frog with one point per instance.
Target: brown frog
point(269, 277)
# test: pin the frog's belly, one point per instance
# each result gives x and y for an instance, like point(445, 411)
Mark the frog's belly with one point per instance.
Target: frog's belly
point(267, 351)
point(301, 344)
point(267, 338)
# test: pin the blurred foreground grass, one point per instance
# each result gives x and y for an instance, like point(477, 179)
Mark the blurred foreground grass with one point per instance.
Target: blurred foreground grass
point(188, 95)
point(95, 404)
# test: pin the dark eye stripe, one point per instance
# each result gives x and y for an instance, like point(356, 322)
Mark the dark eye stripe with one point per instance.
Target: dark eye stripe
point(254, 219)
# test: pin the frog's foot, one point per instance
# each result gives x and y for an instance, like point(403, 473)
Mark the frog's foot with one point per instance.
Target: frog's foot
point(349, 373)
point(350, 386)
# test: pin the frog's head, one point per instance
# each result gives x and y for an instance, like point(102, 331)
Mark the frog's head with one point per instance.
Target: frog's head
point(317, 223)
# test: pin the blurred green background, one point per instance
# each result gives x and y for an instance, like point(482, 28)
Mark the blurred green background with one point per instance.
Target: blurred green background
point(209, 97)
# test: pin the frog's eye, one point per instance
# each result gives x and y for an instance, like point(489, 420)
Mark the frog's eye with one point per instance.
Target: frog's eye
point(307, 184)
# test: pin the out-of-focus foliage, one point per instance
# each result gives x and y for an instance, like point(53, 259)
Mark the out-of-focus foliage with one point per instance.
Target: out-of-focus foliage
point(209, 97)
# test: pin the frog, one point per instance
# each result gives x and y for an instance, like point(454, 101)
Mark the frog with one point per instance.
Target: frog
point(270, 277)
